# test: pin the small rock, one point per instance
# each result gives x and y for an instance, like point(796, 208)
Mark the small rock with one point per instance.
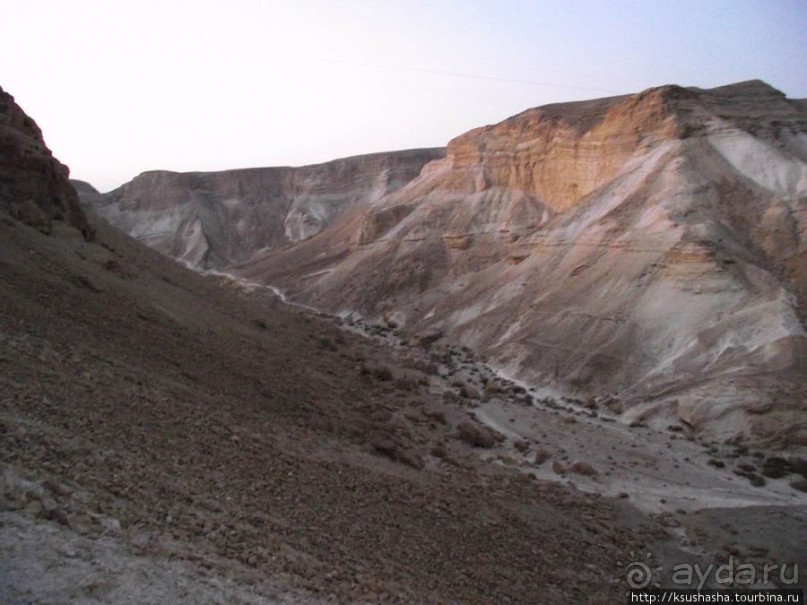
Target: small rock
point(438, 451)
point(477, 435)
point(387, 447)
point(435, 415)
point(469, 392)
point(799, 466)
point(558, 468)
point(34, 508)
point(541, 456)
point(583, 468)
point(491, 388)
point(410, 458)
point(384, 445)
point(55, 488)
point(799, 484)
point(60, 516)
point(110, 524)
point(429, 338)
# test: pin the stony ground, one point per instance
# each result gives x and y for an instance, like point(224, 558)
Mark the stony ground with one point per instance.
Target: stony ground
point(166, 437)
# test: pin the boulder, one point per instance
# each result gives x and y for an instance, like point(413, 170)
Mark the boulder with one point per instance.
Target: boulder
point(541, 456)
point(477, 435)
point(583, 468)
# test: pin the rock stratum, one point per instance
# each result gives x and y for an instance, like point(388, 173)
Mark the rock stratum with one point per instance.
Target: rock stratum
point(33, 184)
point(645, 250)
point(213, 220)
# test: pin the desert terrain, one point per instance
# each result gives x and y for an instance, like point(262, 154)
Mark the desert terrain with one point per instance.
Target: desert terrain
point(216, 434)
point(646, 248)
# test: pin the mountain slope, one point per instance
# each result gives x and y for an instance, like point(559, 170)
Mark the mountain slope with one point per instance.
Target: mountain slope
point(648, 247)
point(213, 220)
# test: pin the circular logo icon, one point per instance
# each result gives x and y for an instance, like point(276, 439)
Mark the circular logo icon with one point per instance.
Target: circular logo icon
point(638, 575)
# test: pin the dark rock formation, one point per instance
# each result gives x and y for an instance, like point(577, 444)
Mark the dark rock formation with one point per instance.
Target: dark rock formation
point(33, 184)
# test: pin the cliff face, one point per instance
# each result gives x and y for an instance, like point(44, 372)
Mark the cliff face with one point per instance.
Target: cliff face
point(648, 248)
point(560, 153)
point(563, 152)
point(33, 184)
point(215, 219)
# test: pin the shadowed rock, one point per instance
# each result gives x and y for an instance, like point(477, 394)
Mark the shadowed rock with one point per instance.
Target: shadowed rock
point(33, 184)
point(477, 435)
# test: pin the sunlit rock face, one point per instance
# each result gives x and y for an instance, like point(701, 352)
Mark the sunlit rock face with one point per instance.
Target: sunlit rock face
point(33, 184)
point(561, 153)
point(215, 219)
point(649, 247)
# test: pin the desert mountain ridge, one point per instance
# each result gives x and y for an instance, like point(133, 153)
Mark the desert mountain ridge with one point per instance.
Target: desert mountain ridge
point(213, 220)
point(647, 250)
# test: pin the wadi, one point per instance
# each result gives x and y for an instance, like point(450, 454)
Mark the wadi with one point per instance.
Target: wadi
point(504, 371)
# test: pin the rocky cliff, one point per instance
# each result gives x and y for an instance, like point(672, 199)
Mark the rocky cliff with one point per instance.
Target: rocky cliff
point(215, 219)
point(647, 250)
point(33, 184)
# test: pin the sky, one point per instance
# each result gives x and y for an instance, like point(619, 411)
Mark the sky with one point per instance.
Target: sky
point(120, 87)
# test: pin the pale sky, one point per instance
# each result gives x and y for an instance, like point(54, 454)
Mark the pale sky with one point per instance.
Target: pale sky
point(121, 86)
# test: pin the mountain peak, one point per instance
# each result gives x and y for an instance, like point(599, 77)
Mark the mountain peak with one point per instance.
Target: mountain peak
point(746, 87)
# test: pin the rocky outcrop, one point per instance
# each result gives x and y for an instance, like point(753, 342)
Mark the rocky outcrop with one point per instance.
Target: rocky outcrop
point(649, 246)
point(216, 219)
point(561, 153)
point(33, 184)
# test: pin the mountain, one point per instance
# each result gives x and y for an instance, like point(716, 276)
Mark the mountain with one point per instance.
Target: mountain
point(647, 249)
point(214, 220)
point(644, 250)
